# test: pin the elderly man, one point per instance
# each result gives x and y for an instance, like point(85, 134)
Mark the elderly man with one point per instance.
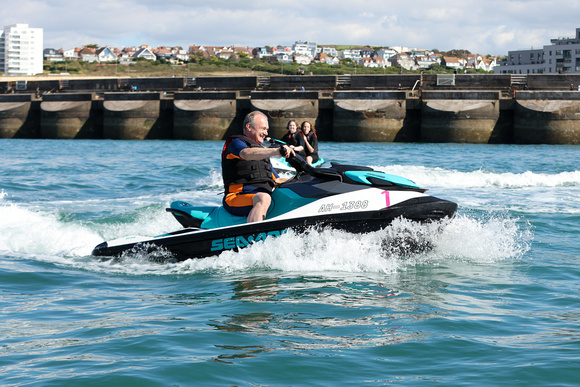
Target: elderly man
point(249, 178)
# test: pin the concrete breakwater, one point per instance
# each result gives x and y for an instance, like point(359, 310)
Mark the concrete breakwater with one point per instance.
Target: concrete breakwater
point(413, 111)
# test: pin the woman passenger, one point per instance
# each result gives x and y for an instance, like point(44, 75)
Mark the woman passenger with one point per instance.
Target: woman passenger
point(294, 138)
point(310, 142)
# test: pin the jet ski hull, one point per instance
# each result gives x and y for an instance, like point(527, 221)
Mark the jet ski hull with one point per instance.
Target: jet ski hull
point(201, 243)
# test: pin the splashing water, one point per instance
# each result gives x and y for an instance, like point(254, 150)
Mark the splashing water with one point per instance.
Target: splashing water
point(402, 245)
point(50, 236)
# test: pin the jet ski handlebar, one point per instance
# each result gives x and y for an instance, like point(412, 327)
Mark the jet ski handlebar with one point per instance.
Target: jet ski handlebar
point(297, 162)
point(301, 166)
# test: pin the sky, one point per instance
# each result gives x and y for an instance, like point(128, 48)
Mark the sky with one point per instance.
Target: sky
point(482, 27)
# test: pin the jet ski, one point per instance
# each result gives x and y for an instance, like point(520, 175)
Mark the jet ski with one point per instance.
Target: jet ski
point(352, 198)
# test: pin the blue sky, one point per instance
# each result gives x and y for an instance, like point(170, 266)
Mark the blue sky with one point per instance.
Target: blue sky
point(484, 27)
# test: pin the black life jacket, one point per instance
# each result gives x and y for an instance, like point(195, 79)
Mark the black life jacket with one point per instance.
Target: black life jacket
point(313, 141)
point(293, 139)
point(256, 173)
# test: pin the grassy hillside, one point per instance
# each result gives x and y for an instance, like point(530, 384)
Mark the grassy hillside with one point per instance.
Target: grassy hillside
point(250, 66)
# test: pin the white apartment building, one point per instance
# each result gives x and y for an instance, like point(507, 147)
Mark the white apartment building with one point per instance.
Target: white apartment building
point(303, 47)
point(328, 50)
point(562, 56)
point(21, 50)
point(386, 53)
point(352, 54)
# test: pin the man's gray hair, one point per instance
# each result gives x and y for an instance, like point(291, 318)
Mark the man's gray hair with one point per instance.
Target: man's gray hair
point(250, 118)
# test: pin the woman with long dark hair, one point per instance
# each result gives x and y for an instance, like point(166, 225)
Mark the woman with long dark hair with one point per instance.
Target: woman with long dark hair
point(310, 142)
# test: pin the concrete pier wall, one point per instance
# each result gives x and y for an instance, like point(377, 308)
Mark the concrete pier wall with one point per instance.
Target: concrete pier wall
point(204, 115)
point(371, 116)
point(68, 116)
point(462, 116)
point(283, 106)
point(408, 108)
point(133, 116)
point(547, 118)
point(17, 118)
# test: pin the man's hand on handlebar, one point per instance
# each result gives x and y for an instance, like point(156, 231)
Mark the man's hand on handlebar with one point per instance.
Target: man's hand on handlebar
point(286, 151)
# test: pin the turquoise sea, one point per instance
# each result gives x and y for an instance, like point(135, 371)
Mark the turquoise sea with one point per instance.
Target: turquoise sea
point(495, 302)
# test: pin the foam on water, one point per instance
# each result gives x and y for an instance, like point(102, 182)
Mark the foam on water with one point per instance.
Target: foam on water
point(30, 232)
point(50, 234)
point(46, 237)
point(439, 177)
point(492, 238)
point(212, 180)
point(330, 251)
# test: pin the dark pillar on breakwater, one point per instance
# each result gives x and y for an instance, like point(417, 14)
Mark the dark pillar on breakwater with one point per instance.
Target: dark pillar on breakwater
point(547, 117)
point(462, 116)
point(135, 116)
point(17, 117)
point(68, 116)
point(204, 115)
point(371, 116)
point(283, 106)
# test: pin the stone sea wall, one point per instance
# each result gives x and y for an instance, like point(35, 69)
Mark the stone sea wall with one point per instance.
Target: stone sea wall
point(487, 109)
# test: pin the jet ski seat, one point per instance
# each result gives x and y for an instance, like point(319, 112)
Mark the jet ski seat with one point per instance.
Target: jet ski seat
point(203, 217)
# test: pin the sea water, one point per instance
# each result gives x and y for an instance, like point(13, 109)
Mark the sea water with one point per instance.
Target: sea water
point(494, 302)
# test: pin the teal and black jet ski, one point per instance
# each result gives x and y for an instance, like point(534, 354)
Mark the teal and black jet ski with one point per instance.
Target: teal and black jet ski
point(355, 199)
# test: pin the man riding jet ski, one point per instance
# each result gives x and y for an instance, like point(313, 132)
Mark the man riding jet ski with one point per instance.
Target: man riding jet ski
point(352, 198)
point(258, 204)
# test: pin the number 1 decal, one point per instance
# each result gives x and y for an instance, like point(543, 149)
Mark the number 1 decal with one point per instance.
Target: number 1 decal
point(387, 198)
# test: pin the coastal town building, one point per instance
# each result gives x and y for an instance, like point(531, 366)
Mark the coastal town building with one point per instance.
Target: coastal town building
point(522, 62)
point(163, 53)
point(366, 52)
point(125, 56)
point(301, 53)
point(373, 62)
point(302, 59)
point(560, 57)
point(386, 53)
point(452, 62)
point(70, 54)
point(105, 54)
point(180, 54)
point(21, 50)
point(245, 51)
point(52, 55)
point(321, 57)
point(261, 52)
point(280, 57)
point(486, 64)
point(145, 53)
point(404, 60)
point(305, 48)
point(327, 50)
point(351, 53)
